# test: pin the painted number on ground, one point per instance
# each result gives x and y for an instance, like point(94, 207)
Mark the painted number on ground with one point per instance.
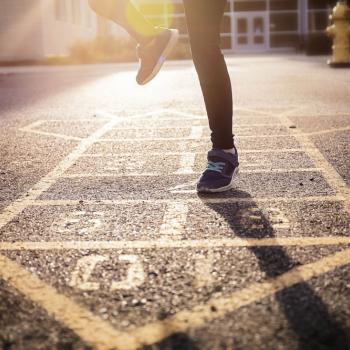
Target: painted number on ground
point(81, 222)
point(86, 265)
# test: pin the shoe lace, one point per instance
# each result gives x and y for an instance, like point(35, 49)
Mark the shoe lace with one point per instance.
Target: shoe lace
point(216, 166)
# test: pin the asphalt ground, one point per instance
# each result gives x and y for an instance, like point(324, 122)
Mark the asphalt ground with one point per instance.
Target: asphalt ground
point(104, 243)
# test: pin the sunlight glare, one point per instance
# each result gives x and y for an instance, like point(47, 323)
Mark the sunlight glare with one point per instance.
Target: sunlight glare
point(158, 13)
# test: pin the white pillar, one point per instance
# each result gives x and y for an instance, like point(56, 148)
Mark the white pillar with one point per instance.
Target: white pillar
point(303, 17)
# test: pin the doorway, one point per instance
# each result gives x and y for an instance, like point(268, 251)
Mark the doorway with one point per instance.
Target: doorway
point(250, 32)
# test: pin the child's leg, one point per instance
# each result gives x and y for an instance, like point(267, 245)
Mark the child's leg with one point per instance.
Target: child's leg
point(203, 22)
point(155, 44)
point(124, 13)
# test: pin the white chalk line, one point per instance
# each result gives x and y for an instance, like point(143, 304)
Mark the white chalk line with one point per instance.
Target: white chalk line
point(177, 243)
point(190, 138)
point(166, 153)
point(238, 126)
point(174, 220)
point(327, 131)
point(186, 170)
point(195, 200)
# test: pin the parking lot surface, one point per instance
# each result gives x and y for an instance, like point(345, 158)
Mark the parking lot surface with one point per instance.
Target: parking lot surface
point(105, 244)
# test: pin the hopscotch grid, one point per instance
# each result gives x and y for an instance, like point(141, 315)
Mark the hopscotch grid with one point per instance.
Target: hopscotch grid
point(132, 343)
point(331, 176)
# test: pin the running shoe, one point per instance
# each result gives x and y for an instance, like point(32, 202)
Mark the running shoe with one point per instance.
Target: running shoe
point(221, 170)
point(153, 54)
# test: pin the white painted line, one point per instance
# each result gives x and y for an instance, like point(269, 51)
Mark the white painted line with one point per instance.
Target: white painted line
point(196, 132)
point(168, 243)
point(33, 125)
point(211, 200)
point(97, 175)
point(323, 132)
point(186, 169)
point(203, 269)
point(83, 270)
point(179, 153)
point(80, 222)
point(278, 219)
point(135, 275)
point(267, 113)
point(238, 126)
point(187, 161)
point(184, 114)
point(109, 116)
point(174, 220)
point(52, 134)
point(189, 138)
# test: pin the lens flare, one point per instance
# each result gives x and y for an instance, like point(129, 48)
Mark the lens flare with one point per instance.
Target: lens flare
point(158, 13)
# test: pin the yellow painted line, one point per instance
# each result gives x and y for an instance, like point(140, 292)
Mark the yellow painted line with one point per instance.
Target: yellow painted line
point(244, 151)
point(111, 116)
point(163, 244)
point(206, 129)
point(187, 162)
point(237, 110)
point(196, 132)
point(52, 134)
point(279, 170)
point(269, 113)
point(185, 170)
point(210, 200)
point(16, 207)
point(318, 115)
point(33, 125)
point(190, 138)
point(185, 114)
point(111, 174)
point(330, 174)
point(217, 308)
point(174, 220)
point(323, 132)
point(203, 268)
point(84, 323)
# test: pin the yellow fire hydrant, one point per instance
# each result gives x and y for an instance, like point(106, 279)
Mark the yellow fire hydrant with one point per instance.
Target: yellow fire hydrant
point(340, 32)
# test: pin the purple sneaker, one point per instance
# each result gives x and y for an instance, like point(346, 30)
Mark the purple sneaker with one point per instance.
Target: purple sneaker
point(153, 54)
point(221, 170)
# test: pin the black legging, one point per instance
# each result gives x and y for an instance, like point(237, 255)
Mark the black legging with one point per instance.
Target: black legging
point(203, 21)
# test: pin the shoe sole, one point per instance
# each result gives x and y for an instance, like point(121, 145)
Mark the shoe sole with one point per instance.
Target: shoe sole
point(164, 55)
point(221, 189)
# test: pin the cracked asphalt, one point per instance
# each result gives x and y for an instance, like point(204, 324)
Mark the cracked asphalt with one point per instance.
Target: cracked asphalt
point(104, 243)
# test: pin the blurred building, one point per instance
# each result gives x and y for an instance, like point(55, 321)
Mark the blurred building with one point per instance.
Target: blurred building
point(33, 29)
point(257, 25)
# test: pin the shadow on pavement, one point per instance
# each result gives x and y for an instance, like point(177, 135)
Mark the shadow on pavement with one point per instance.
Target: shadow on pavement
point(305, 311)
point(177, 341)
